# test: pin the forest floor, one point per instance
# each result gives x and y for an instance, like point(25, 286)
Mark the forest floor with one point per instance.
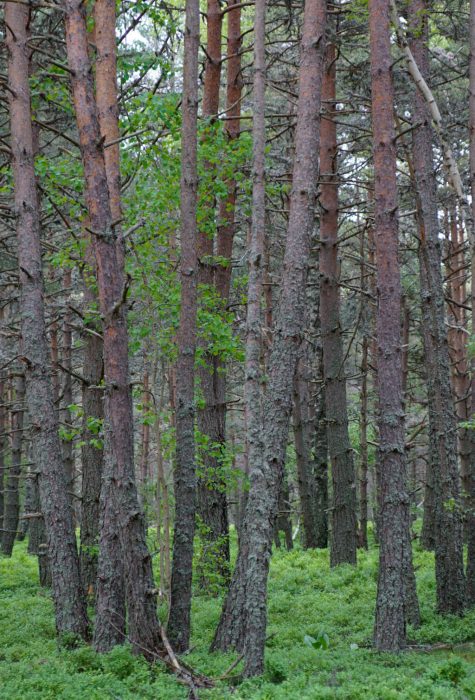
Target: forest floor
point(305, 598)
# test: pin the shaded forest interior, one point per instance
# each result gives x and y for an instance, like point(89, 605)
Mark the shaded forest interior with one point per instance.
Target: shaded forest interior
point(237, 360)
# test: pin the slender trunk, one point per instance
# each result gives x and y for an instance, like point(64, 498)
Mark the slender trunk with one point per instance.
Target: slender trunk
point(457, 339)
point(363, 529)
point(470, 516)
point(145, 438)
point(321, 460)
point(450, 583)
point(3, 443)
point(69, 602)
point(119, 501)
point(304, 423)
point(390, 623)
point(185, 475)
point(283, 522)
point(212, 499)
point(110, 584)
point(37, 540)
point(67, 392)
point(343, 507)
point(91, 451)
point(163, 505)
point(12, 487)
point(245, 626)
point(231, 628)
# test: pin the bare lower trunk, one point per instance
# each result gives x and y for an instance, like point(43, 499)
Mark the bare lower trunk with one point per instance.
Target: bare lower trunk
point(11, 514)
point(67, 446)
point(450, 583)
point(185, 474)
point(390, 622)
point(119, 501)
point(3, 444)
point(343, 507)
point(243, 621)
point(304, 423)
point(69, 602)
point(363, 528)
point(470, 516)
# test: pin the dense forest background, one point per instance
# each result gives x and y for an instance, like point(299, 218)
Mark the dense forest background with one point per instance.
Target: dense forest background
point(237, 246)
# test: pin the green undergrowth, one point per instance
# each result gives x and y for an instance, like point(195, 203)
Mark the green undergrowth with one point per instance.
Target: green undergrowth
point(319, 635)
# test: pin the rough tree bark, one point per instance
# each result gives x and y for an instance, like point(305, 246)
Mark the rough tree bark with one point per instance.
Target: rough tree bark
point(304, 423)
point(244, 626)
point(390, 622)
point(69, 602)
point(470, 517)
point(110, 584)
point(3, 442)
point(185, 475)
point(119, 500)
point(450, 584)
point(343, 506)
point(212, 499)
point(230, 630)
point(11, 514)
point(67, 446)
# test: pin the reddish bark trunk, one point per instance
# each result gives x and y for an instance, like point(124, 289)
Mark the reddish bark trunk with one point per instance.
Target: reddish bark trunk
point(69, 603)
point(120, 507)
point(390, 623)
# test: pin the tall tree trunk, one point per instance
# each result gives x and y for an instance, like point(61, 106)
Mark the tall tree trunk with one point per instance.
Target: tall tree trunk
point(230, 630)
point(304, 422)
point(363, 529)
point(111, 593)
point(245, 627)
point(185, 475)
point(12, 488)
point(470, 517)
point(91, 448)
point(457, 339)
point(390, 623)
point(212, 500)
point(67, 393)
point(119, 500)
point(343, 506)
point(321, 460)
point(450, 583)
point(69, 602)
point(144, 469)
point(3, 442)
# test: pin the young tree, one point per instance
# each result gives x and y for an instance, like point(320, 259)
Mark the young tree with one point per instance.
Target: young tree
point(185, 474)
point(69, 602)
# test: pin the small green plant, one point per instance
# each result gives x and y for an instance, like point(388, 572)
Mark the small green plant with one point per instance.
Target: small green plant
point(452, 670)
point(321, 641)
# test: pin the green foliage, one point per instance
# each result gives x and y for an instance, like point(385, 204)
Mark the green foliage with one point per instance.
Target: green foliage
point(305, 597)
point(321, 641)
